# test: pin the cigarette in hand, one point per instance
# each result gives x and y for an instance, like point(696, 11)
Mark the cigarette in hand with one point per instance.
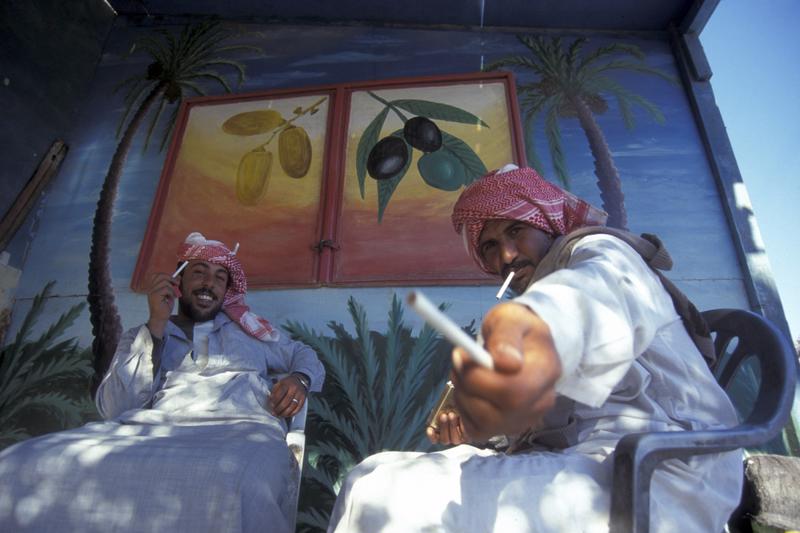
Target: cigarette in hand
point(449, 329)
point(504, 287)
point(176, 289)
point(180, 269)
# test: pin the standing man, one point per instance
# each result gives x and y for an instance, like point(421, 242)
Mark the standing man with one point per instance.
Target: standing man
point(194, 436)
point(592, 349)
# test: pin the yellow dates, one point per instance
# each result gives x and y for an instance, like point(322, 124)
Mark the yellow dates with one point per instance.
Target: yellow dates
point(294, 151)
point(253, 122)
point(252, 177)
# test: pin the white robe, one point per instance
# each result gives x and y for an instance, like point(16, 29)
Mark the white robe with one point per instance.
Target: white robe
point(630, 367)
point(198, 452)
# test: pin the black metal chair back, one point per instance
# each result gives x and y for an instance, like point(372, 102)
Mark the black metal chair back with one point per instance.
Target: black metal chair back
point(638, 455)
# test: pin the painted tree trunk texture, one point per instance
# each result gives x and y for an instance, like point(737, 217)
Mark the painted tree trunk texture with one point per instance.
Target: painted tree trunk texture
point(607, 175)
point(103, 314)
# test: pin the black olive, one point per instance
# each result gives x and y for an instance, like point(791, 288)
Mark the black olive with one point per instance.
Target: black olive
point(387, 158)
point(423, 134)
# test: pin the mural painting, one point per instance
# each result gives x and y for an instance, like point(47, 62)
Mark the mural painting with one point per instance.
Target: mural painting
point(178, 64)
point(44, 381)
point(247, 170)
point(574, 83)
point(396, 211)
point(410, 151)
point(262, 170)
point(379, 390)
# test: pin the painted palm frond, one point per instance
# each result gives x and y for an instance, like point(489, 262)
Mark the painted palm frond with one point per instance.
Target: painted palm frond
point(574, 83)
point(37, 376)
point(178, 64)
point(185, 63)
point(378, 392)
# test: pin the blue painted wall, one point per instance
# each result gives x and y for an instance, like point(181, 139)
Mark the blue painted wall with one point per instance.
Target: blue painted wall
point(669, 186)
point(667, 181)
point(48, 55)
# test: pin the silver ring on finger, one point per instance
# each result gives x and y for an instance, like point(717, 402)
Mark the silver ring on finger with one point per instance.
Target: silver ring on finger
point(295, 400)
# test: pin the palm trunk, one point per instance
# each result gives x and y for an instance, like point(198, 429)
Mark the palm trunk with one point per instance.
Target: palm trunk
point(607, 175)
point(103, 314)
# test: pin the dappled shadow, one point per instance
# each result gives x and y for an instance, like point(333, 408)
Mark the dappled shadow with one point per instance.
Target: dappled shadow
point(107, 475)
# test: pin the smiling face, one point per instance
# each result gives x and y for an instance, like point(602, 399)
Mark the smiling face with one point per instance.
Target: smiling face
point(203, 287)
point(506, 245)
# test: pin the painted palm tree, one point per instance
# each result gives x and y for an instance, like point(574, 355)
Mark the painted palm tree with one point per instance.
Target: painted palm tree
point(379, 389)
point(179, 66)
point(572, 84)
point(43, 376)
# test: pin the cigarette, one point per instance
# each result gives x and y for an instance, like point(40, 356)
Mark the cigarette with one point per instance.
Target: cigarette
point(504, 287)
point(180, 269)
point(449, 329)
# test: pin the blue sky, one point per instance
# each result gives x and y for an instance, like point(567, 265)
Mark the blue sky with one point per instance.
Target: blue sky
point(754, 51)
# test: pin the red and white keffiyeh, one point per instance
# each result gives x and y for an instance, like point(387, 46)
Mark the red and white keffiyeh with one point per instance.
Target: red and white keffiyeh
point(197, 247)
point(513, 193)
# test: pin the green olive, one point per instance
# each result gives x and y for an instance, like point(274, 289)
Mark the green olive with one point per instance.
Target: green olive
point(441, 170)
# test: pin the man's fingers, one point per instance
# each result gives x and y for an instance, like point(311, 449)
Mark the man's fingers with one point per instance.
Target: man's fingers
point(165, 288)
point(478, 416)
point(287, 398)
point(446, 428)
point(432, 435)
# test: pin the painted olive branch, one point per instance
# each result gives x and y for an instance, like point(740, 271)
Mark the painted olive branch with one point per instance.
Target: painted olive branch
point(389, 105)
point(310, 109)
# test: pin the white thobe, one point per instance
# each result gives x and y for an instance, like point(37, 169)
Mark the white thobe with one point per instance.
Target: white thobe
point(630, 367)
point(192, 448)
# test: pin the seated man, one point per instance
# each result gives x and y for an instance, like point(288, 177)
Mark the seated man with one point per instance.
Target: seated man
point(585, 354)
point(194, 438)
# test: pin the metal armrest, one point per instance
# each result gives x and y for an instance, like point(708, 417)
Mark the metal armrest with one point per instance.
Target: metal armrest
point(296, 441)
point(638, 455)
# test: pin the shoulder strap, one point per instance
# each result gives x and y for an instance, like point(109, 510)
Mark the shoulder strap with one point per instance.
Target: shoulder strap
point(653, 252)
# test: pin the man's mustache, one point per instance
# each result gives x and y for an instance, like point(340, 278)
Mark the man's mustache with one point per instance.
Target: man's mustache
point(516, 265)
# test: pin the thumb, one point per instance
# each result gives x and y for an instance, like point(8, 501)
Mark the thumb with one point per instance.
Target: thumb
point(507, 356)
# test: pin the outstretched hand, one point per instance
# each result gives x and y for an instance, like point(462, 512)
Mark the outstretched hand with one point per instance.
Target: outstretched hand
point(519, 391)
point(287, 397)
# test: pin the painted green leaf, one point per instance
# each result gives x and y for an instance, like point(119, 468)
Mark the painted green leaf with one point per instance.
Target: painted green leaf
point(365, 144)
point(466, 156)
point(386, 187)
point(439, 111)
point(352, 420)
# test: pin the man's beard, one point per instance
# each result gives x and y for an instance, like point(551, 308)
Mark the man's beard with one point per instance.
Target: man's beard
point(198, 315)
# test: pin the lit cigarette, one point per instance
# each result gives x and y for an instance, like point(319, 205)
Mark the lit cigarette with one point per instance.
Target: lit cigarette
point(449, 329)
point(180, 269)
point(504, 287)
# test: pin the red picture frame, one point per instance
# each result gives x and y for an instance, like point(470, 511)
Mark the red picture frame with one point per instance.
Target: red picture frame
point(322, 219)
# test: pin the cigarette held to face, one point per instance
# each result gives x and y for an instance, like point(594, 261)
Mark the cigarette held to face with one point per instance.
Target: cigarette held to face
point(175, 288)
point(180, 269)
point(449, 329)
point(504, 287)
